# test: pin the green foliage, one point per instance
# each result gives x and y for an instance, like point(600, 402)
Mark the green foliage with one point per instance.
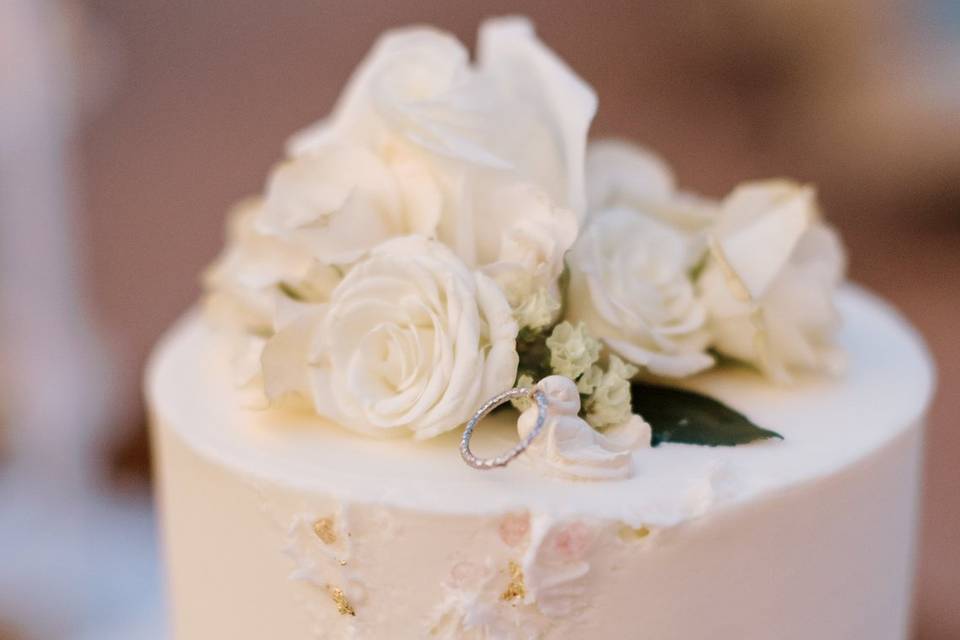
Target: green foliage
point(688, 417)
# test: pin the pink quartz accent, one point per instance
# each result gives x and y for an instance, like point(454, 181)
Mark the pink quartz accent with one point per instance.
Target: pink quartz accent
point(571, 542)
point(514, 528)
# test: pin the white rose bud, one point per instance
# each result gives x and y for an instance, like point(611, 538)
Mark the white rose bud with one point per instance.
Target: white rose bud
point(630, 283)
point(770, 280)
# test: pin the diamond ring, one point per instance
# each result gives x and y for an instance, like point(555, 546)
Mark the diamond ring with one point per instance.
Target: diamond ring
point(503, 459)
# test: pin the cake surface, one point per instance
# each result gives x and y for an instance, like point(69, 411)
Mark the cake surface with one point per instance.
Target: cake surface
point(279, 524)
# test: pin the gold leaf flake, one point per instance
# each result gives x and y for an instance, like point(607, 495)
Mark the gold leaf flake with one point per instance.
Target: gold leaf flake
point(343, 605)
point(632, 534)
point(325, 531)
point(515, 588)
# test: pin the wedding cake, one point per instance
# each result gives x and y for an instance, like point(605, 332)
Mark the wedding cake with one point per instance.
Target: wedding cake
point(711, 435)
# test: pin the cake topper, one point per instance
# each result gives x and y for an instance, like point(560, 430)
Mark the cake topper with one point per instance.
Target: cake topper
point(558, 441)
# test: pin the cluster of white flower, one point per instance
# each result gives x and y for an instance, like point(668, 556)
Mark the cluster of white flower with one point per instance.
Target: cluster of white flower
point(572, 350)
point(383, 274)
point(664, 277)
point(407, 259)
point(575, 354)
point(608, 403)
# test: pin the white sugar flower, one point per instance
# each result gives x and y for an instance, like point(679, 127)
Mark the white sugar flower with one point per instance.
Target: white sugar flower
point(572, 349)
point(411, 339)
point(630, 283)
point(770, 281)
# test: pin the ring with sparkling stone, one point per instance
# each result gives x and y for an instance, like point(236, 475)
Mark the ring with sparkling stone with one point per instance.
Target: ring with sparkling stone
point(505, 458)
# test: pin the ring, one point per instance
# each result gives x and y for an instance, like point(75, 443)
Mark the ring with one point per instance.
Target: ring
point(503, 459)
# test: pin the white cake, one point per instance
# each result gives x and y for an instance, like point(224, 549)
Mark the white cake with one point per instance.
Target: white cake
point(281, 527)
point(447, 239)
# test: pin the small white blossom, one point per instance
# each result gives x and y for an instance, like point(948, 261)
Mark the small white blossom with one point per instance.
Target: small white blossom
point(572, 349)
point(524, 381)
point(621, 369)
point(590, 379)
point(609, 404)
point(537, 311)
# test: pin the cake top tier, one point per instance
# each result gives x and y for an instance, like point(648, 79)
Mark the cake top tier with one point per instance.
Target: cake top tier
point(447, 234)
point(826, 423)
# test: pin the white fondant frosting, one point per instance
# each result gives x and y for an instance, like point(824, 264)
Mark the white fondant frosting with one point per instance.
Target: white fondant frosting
point(887, 387)
point(278, 524)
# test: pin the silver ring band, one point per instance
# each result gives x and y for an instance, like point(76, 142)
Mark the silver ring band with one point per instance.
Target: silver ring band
point(503, 459)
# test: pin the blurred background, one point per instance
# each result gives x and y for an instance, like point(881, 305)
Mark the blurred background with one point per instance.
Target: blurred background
point(128, 127)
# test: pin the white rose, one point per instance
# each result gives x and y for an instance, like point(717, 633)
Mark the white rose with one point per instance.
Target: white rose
point(519, 109)
point(341, 200)
point(246, 279)
point(630, 282)
point(503, 142)
point(623, 175)
point(770, 280)
point(410, 340)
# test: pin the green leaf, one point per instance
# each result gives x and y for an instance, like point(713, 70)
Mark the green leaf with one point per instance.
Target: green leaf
point(688, 417)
